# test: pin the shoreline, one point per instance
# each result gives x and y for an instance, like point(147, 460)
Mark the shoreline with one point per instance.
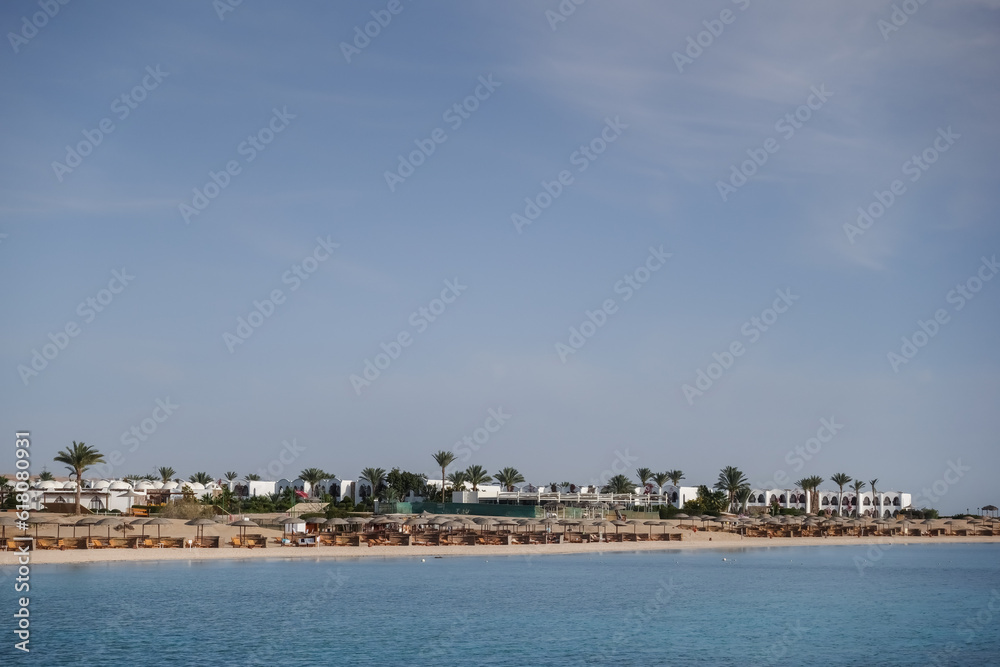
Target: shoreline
point(726, 542)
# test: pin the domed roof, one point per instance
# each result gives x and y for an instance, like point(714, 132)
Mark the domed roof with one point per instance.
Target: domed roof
point(100, 484)
point(169, 485)
point(119, 486)
point(196, 486)
point(144, 484)
point(48, 485)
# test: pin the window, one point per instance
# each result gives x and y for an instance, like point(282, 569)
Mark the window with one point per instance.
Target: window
point(96, 504)
point(760, 498)
point(781, 499)
point(868, 502)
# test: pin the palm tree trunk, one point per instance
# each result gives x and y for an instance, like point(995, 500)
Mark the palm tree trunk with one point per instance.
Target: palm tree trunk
point(78, 490)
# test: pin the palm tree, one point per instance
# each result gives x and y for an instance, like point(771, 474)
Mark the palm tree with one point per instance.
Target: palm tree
point(230, 476)
point(200, 478)
point(858, 486)
point(313, 476)
point(675, 476)
point(166, 473)
point(78, 458)
point(5, 488)
point(508, 477)
point(661, 478)
point(251, 477)
point(375, 477)
point(45, 476)
point(876, 505)
point(841, 479)
point(458, 480)
point(731, 480)
point(742, 496)
point(443, 459)
point(814, 482)
point(644, 474)
point(619, 484)
point(476, 474)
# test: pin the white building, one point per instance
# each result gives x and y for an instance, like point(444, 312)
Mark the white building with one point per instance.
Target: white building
point(887, 504)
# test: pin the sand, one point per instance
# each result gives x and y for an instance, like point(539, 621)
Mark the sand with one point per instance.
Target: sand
point(691, 541)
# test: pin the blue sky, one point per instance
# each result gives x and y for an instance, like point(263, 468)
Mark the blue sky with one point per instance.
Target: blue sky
point(680, 127)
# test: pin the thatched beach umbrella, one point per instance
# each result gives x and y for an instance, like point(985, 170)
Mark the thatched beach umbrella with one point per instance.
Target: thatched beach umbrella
point(200, 526)
point(141, 522)
point(111, 522)
point(242, 526)
point(618, 523)
point(6, 520)
point(681, 517)
point(87, 521)
point(335, 521)
point(159, 521)
point(39, 519)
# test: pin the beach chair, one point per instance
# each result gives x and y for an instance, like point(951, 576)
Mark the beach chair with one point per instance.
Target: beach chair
point(236, 542)
point(97, 544)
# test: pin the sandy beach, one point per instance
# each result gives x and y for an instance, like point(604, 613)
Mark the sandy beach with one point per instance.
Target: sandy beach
point(691, 541)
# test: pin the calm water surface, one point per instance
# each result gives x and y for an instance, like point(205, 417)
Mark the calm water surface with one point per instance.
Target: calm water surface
point(906, 605)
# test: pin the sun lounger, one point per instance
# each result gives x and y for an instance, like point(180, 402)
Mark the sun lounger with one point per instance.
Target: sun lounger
point(97, 544)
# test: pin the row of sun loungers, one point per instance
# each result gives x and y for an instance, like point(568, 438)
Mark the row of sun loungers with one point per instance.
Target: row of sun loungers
point(131, 542)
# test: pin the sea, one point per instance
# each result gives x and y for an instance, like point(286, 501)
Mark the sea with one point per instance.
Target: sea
point(935, 604)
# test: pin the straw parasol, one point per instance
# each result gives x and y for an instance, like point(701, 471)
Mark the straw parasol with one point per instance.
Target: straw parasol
point(652, 523)
point(336, 521)
point(142, 523)
point(87, 521)
point(200, 526)
point(158, 521)
point(5, 521)
point(681, 517)
point(111, 522)
point(39, 519)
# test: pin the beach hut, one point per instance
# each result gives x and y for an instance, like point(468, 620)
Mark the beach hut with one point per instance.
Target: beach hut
point(292, 524)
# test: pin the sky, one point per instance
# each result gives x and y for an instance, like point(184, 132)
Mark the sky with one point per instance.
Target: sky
point(584, 238)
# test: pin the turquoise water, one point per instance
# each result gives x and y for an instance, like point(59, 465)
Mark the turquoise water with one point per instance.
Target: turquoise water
point(905, 605)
